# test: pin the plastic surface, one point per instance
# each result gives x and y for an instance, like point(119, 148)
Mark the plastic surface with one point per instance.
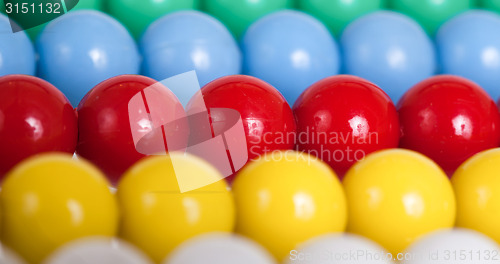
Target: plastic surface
point(83, 48)
point(477, 189)
point(52, 199)
point(291, 50)
point(341, 119)
point(267, 118)
point(469, 46)
point(35, 117)
point(16, 51)
point(137, 15)
point(396, 196)
point(237, 15)
point(186, 41)
point(337, 14)
point(97, 250)
point(157, 217)
point(388, 49)
point(448, 119)
point(82, 4)
point(457, 246)
point(338, 249)
point(284, 191)
point(105, 126)
point(220, 248)
point(431, 14)
point(493, 5)
point(7, 256)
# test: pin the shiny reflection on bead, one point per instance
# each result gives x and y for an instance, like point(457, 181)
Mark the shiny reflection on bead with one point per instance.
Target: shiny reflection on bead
point(161, 223)
point(343, 118)
point(449, 119)
point(396, 196)
point(283, 191)
point(35, 117)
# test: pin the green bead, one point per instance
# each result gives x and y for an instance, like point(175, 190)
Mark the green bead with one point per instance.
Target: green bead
point(136, 15)
point(89, 4)
point(237, 15)
point(431, 14)
point(493, 5)
point(337, 14)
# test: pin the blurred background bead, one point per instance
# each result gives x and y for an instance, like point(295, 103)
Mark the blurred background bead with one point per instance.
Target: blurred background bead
point(388, 49)
point(431, 14)
point(17, 55)
point(469, 46)
point(83, 48)
point(35, 117)
point(137, 15)
point(186, 41)
point(493, 5)
point(290, 50)
point(337, 248)
point(97, 250)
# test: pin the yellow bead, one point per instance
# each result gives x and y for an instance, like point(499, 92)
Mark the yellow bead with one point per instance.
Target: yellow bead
point(157, 217)
point(477, 189)
point(395, 196)
point(51, 199)
point(285, 198)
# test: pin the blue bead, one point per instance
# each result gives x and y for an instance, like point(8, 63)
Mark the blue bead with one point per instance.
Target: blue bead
point(189, 40)
point(389, 49)
point(290, 50)
point(17, 55)
point(469, 46)
point(83, 48)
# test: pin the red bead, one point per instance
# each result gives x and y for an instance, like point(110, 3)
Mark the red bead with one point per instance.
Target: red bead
point(267, 118)
point(35, 117)
point(105, 126)
point(343, 118)
point(449, 119)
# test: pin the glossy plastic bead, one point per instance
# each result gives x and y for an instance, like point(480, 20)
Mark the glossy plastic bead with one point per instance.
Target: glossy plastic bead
point(290, 50)
point(469, 46)
point(448, 119)
point(431, 14)
point(35, 117)
point(396, 196)
point(83, 48)
point(337, 14)
point(341, 119)
point(52, 199)
point(284, 191)
point(237, 15)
